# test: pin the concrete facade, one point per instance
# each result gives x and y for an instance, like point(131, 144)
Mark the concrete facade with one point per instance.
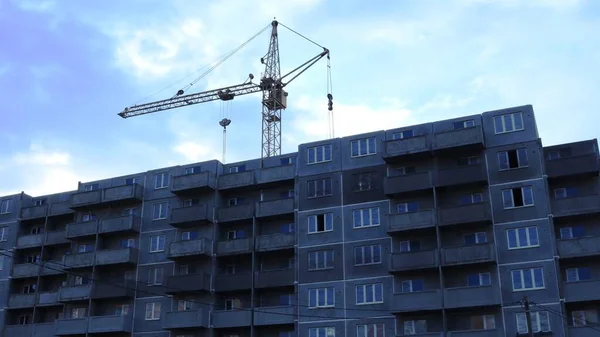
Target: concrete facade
point(437, 229)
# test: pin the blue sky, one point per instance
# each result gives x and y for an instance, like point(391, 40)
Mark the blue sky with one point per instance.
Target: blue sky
point(67, 67)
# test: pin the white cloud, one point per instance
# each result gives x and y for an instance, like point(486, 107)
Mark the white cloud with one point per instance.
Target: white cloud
point(38, 155)
point(35, 5)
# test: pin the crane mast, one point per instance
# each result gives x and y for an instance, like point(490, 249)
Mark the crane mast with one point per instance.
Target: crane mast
point(274, 98)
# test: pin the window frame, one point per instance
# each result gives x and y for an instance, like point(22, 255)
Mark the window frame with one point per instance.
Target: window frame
point(163, 211)
point(316, 182)
point(317, 256)
point(527, 236)
point(326, 217)
point(313, 159)
point(156, 276)
point(5, 206)
point(535, 321)
point(325, 291)
point(164, 180)
point(159, 238)
point(532, 274)
point(377, 329)
point(366, 289)
point(512, 198)
point(512, 121)
point(322, 331)
point(362, 253)
point(373, 217)
point(153, 308)
point(368, 143)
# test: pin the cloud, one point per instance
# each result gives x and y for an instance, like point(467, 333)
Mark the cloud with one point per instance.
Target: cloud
point(35, 5)
point(37, 155)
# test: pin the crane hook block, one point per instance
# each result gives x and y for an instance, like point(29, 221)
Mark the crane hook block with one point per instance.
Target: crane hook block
point(180, 92)
point(330, 102)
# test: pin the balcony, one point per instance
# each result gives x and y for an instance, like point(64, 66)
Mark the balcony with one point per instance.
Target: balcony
point(17, 301)
point(113, 289)
point(110, 324)
point(280, 241)
point(573, 166)
point(477, 333)
point(58, 237)
point(29, 241)
point(78, 260)
point(468, 254)
point(579, 247)
point(400, 222)
point(589, 204)
point(232, 282)
point(231, 318)
point(52, 267)
point(25, 270)
point(82, 230)
point(193, 183)
point(185, 319)
point(190, 216)
point(75, 293)
point(273, 208)
point(236, 180)
point(398, 148)
point(414, 260)
point(71, 326)
point(189, 248)
point(468, 138)
point(48, 298)
point(117, 256)
point(106, 196)
point(417, 301)
point(461, 175)
point(464, 297)
point(60, 208)
point(34, 330)
point(121, 225)
point(235, 213)
point(581, 291)
point(234, 247)
point(465, 214)
point(407, 183)
point(274, 315)
point(34, 212)
point(189, 283)
point(583, 331)
point(274, 278)
point(275, 174)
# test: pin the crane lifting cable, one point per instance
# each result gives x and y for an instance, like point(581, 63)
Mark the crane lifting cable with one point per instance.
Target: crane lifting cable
point(271, 85)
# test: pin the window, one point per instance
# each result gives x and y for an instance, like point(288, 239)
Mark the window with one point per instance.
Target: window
point(321, 297)
point(565, 192)
point(319, 260)
point(319, 223)
point(528, 279)
point(583, 318)
point(288, 228)
point(132, 181)
point(363, 182)
point(191, 202)
point(471, 198)
point(24, 319)
point(366, 217)
point(161, 180)
point(578, 274)
point(403, 134)
point(237, 169)
point(410, 246)
point(406, 170)
point(362, 147)
point(559, 153)
point(91, 187)
point(463, 124)
point(319, 154)
point(1, 262)
point(369, 293)
point(572, 232)
point(128, 243)
point(232, 304)
point(508, 123)
point(183, 305)
point(129, 211)
point(415, 327)
point(365, 255)
point(466, 161)
point(155, 276)
point(230, 269)
point(235, 234)
point(319, 188)
point(407, 207)
point(189, 235)
point(513, 159)
point(483, 322)
point(191, 170)
point(88, 217)
point(540, 322)
point(525, 237)
point(3, 234)
point(370, 330)
point(39, 202)
point(321, 332)
point(77, 312)
point(153, 311)
point(479, 280)
point(517, 197)
point(159, 211)
point(157, 243)
point(5, 206)
point(411, 286)
point(122, 309)
point(476, 238)
point(235, 201)
point(84, 248)
point(288, 161)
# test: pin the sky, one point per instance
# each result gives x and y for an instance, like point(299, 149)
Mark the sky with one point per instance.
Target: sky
point(67, 67)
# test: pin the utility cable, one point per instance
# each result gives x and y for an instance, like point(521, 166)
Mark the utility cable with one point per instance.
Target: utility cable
point(588, 324)
point(302, 36)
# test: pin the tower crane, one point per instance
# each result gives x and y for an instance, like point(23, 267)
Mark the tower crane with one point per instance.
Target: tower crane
point(272, 84)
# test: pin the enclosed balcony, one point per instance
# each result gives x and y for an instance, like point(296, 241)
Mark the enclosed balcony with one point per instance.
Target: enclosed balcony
point(110, 324)
point(121, 195)
point(233, 282)
point(235, 213)
point(400, 148)
point(274, 278)
point(579, 247)
point(407, 183)
point(190, 216)
point(275, 174)
point(82, 230)
point(121, 225)
point(461, 175)
point(236, 180)
point(465, 214)
point(480, 253)
point(466, 138)
point(464, 297)
point(582, 291)
point(405, 261)
point(417, 301)
point(34, 212)
point(193, 183)
point(234, 247)
point(189, 248)
point(400, 222)
point(185, 319)
point(188, 283)
point(231, 318)
point(75, 293)
point(279, 241)
point(589, 204)
point(265, 316)
point(273, 208)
